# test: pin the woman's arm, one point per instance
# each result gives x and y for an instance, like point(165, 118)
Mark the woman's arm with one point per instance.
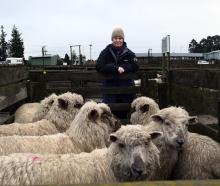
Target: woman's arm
point(104, 67)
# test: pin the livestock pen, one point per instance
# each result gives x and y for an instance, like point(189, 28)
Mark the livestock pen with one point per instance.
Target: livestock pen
point(195, 88)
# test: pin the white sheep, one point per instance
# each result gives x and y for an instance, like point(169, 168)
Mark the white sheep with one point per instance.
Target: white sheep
point(143, 108)
point(64, 110)
point(89, 130)
point(172, 123)
point(58, 119)
point(131, 157)
point(45, 106)
point(30, 112)
point(26, 112)
point(199, 159)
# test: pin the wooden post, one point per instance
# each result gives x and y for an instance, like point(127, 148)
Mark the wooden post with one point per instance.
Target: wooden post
point(219, 120)
point(144, 84)
point(169, 80)
point(164, 67)
point(28, 86)
point(162, 94)
point(168, 61)
point(43, 84)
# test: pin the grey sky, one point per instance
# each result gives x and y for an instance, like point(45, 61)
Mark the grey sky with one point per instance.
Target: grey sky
point(61, 23)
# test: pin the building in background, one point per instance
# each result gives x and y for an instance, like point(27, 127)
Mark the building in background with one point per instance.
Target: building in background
point(214, 55)
point(46, 60)
point(142, 57)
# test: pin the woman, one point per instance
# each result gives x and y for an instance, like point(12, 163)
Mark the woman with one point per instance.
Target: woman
point(117, 59)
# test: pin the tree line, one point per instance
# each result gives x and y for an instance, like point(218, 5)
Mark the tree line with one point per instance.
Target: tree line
point(14, 47)
point(211, 43)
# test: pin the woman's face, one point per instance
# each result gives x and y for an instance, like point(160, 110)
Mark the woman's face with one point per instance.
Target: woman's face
point(117, 41)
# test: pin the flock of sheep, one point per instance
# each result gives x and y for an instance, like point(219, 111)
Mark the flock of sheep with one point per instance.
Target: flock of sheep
point(63, 140)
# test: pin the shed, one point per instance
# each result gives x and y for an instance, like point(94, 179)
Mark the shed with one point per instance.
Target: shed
point(46, 60)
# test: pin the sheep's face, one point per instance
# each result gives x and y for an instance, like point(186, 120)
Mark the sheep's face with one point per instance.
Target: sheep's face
point(134, 156)
point(64, 110)
point(70, 102)
point(45, 105)
point(96, 122)
point(141, 110)
point(173, 125)
point(108, 118)
point(48, 101)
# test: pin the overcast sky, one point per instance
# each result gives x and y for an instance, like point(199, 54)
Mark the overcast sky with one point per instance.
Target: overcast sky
point(61, 23)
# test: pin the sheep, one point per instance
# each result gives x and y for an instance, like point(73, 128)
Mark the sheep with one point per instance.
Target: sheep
point(26, 112)
point(64, 110)
point(58, 119)
point(199, 159)
point(31, 112)
point(45, 106)
point(89, 130)
point(131, 157)
point(172, 123)
point(143, 108)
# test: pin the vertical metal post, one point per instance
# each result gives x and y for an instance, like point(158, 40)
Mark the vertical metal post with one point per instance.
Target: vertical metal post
point(90, 52)
point(43, 47)
point(80, 55)
point(71, 56)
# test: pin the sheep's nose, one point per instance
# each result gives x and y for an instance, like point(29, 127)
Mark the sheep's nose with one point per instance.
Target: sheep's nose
point(180, 142)
point(137, 171)
point(138, 166)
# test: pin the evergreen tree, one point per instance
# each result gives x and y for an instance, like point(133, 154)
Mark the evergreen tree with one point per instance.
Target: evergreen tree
point(67, 59)
point(16, 44)
point(211, 43)
point(3, 45)
point(194, 46)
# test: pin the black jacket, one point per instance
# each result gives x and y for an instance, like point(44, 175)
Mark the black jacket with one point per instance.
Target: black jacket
point(109, 61)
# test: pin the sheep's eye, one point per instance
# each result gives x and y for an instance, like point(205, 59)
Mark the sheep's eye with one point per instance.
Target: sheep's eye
point(146, 142)
point(78, 105)
point(121, 145)
point(167, 123)
point(106, 114)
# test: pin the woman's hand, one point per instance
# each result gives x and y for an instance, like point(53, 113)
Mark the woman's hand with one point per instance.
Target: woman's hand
point(121, 70)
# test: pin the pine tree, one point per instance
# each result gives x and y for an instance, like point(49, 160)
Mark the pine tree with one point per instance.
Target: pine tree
point(16, 44)
point(3, 45)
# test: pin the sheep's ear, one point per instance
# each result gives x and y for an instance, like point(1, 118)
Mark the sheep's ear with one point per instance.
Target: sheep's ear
point(155, 134)
point(193, 120)
point(63, 104)
point(144, 108)
point(113, 138)
point(93, 115)
point(157, 118)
